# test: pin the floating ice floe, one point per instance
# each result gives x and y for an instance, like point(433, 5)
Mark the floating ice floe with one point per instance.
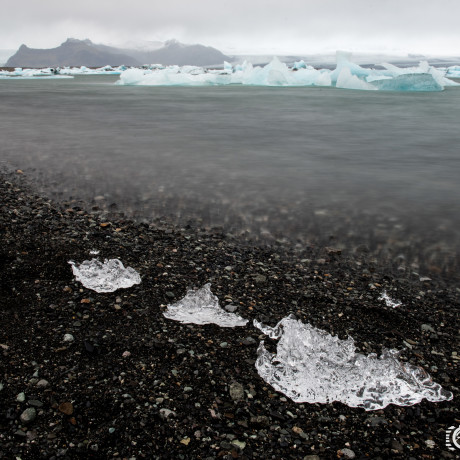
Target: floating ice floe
point(453, 71)
point(202, 307)
point(315, 367)
point(105, 277)
point(346, 75)
point(31, 74)
point(61, 72)
point(389, 302)
point(83, 70)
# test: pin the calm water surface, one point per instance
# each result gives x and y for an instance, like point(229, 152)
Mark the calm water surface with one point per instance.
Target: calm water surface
point(293, 162)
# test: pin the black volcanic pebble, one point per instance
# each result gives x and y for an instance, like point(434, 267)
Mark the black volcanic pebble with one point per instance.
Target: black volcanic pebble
point(143, 386)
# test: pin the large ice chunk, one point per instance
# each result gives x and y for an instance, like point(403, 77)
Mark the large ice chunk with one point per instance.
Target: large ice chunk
point(349, 81)
point(315, 367)
point(409, 82)
point(202, 307)
point(105, 277)
point(343, 61)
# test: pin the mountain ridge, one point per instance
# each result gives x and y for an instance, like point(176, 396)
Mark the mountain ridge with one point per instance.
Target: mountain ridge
point(75, 52)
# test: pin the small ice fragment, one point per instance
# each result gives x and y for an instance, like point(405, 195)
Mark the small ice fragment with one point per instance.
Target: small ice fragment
point(94, 252)
point(389, 302)
point(105, 277)
point(68, 338)
point(202, 307)
point(315, 367)
point(272, 332)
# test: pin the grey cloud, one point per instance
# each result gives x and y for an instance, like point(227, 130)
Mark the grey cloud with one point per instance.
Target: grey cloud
point(251, 23)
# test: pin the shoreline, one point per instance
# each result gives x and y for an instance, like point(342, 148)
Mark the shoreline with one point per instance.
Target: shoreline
point(42, 302)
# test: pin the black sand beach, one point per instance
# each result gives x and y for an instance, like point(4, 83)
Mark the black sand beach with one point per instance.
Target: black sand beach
point(193, 392)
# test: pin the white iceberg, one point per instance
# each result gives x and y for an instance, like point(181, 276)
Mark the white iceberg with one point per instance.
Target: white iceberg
point(60, 72)
point(105, 277)
point(202, 307)
point(453, 71)
point(347, 80)
point(32, 74)
point(315, 367)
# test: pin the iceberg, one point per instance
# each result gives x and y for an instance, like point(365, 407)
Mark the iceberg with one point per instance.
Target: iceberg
point(30, 74)
point(228, 67)
point(83, 70)
point(275, 73)
point(315, 367)
point(453, 71)
point(299, 65)
point(346, 75)
point(105, 277)
point(409, 82)
point(60, 72)
point(202, 307)
point(35, 77)
point(347, 80)
point(343, 61)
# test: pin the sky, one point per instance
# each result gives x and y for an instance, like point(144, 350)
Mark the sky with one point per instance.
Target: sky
point(305, 27)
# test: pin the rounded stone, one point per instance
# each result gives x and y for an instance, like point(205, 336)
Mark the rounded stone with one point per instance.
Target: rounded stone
point(236, 391)
point(28, 415)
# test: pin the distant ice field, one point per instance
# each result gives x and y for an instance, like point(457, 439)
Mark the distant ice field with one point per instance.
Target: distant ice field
point(292, 162)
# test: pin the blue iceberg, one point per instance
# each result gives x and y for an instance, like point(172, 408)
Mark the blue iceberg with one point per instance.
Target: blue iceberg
point(409, 82)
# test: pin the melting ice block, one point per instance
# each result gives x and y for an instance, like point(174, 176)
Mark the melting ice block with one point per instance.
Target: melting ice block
point(315, 367)
point(105, 277)
point(202, 307)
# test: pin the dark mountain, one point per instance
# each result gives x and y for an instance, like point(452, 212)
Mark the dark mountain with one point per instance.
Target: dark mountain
point(176, 53)
point(71, 53)
point(75, 52)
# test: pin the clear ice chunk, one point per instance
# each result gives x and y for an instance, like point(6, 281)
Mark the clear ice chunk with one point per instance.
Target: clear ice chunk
point(315, 367)
point(202, 307)
point(389, 302)
point(105, 277)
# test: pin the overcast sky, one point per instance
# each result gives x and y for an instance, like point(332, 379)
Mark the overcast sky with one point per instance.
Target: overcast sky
point(241, 26)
